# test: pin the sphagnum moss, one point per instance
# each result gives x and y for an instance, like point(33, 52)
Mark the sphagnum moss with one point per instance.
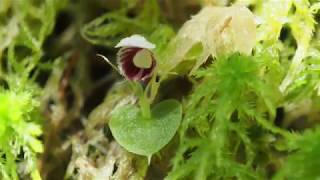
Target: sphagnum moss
point(245, 68)
point(228, 119)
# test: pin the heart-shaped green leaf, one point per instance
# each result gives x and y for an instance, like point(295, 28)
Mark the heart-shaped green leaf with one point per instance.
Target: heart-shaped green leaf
point(146, 136)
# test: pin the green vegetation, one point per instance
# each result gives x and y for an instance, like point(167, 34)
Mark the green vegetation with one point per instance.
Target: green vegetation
point(24, 25)
point(234, 93)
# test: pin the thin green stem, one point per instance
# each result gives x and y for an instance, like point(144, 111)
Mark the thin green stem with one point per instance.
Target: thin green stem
point(144, 103)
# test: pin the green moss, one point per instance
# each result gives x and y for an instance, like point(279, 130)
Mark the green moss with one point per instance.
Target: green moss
point(244, 67)
point(19, 131)
point(239, 82)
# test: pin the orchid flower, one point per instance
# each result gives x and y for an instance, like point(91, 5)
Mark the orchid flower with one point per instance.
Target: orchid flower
point(135, 59)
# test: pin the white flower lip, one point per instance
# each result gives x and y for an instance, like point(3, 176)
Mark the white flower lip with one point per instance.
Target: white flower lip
point(135, 40)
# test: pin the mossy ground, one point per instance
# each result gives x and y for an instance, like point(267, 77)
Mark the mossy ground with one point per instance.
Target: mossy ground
point(250, 101)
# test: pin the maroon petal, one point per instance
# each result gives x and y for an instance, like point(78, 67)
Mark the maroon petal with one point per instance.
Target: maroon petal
point(127, 67)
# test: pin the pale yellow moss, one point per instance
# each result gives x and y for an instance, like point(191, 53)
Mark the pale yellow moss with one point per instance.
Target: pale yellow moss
point(220, 30)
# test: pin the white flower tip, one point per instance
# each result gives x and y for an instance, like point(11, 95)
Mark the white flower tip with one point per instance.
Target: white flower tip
point(135, 41)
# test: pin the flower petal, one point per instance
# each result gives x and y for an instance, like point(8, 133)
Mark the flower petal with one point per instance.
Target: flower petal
point(129, 69)
point(135, 41)
point(143, 59)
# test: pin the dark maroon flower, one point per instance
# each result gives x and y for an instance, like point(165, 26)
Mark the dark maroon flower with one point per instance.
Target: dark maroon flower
point(135, 58)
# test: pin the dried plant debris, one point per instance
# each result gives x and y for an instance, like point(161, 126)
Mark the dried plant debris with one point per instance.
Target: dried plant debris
point(100, 159)
point(217, 30)
point(159, 89)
